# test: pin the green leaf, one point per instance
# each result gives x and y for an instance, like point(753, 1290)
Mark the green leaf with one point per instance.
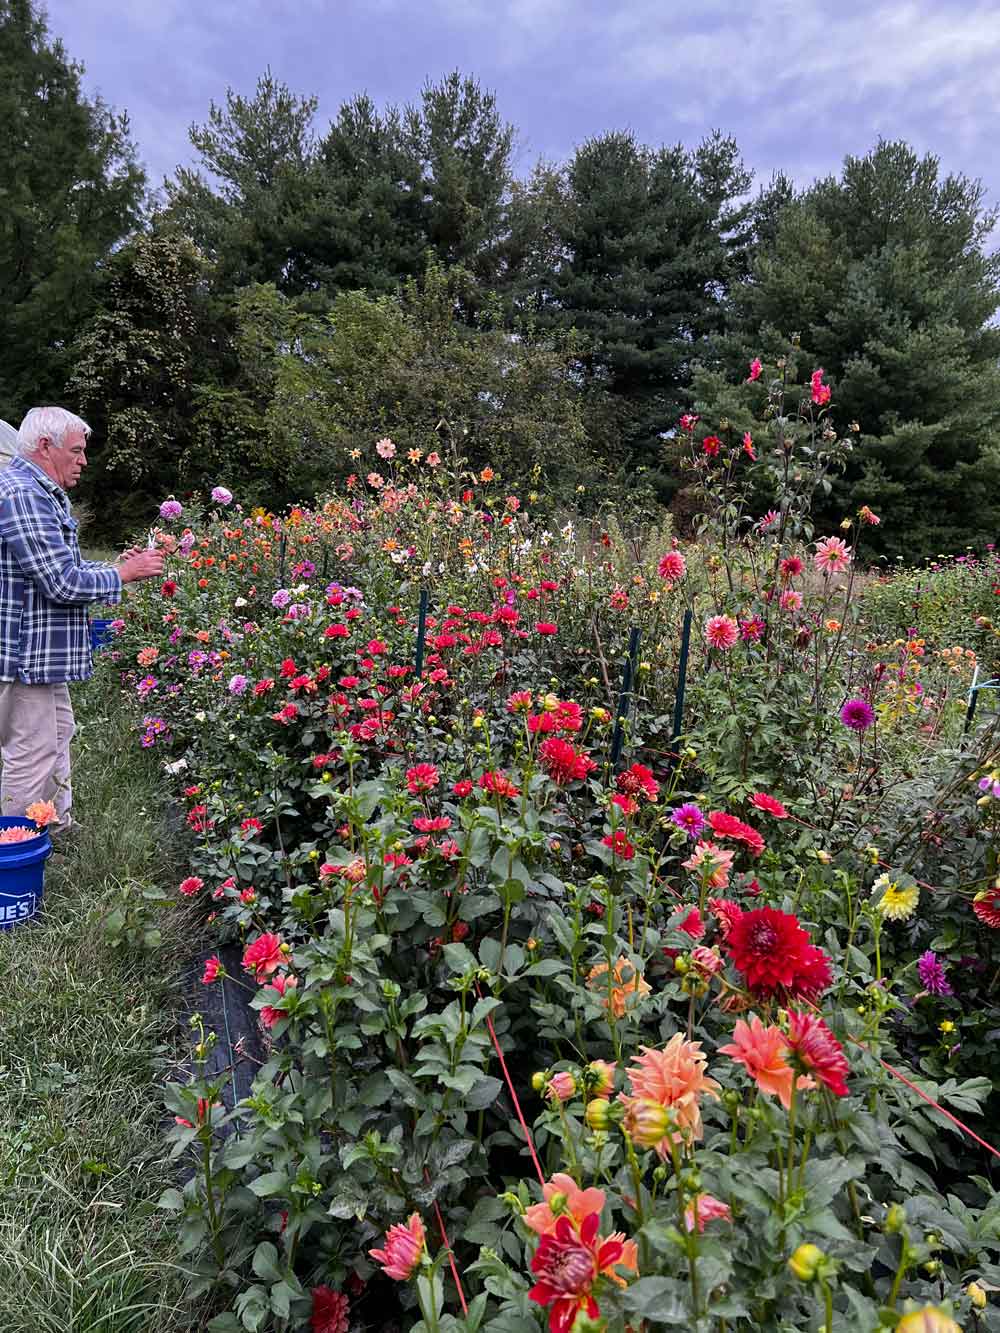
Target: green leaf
point(172, 1200)
point(265, 1262)
point(483, 1094)
point(270, 1183)
point(658, 1298)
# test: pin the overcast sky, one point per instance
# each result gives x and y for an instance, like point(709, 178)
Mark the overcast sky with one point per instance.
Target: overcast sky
point(800, 83)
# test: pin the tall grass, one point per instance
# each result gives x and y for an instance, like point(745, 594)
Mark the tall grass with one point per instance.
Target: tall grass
point(85, 1032)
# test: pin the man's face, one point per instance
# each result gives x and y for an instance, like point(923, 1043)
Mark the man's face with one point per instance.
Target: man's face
point(65, 462)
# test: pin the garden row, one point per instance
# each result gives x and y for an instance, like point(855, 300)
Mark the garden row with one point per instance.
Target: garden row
point(618, 914)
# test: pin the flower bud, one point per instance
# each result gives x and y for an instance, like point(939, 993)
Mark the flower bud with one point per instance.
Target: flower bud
point(805, 1262)
point(600, 1077)
point(646, 1122)
point(539, 1080)
point(561, 1086)
point(597, 1116)
point(928, 1320)
point(895, 1219)
point(558, 1203)
point(976, 1295)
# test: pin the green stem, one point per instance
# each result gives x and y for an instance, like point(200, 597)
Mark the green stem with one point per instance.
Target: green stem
point(897, 1281)
point(828, 1304)
point(791, 1131)
point(213, 1216)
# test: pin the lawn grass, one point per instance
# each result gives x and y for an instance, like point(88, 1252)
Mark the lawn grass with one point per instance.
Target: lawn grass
point(86, 1027)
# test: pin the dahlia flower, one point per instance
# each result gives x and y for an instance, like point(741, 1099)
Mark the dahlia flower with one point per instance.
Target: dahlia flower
point(721, 632)
point(762, 1053)
point(405, 1248)
point(933, 975)
point(769, 804)
point(675, 1078)
point(857, 714)
point(568, 1262)
point(712, 863)
point(897, 903)
point(330, 1311)
point(264, 956)
point(689, 818)
point(832, 556)
point(728, 826)
point(706, 1208)
point(627, 981)
point(814, 1051)
point(672, 566)
point(776, 956)
point(986, 906)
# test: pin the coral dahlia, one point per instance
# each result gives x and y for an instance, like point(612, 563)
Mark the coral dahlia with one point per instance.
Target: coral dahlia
point(762, 1053)
point(986, 906)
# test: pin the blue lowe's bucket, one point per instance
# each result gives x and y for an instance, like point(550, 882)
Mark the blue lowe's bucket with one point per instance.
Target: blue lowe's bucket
point(22, 873)
point(101, 635)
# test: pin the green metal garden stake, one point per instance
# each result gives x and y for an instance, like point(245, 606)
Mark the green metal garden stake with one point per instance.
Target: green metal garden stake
point(625, 697)
point(418, 664)
point(681, 678)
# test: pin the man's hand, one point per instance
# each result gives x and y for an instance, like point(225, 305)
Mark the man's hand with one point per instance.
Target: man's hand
point(135, 565)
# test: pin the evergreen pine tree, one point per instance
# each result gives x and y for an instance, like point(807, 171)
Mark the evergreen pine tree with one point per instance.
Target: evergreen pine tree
point(885, 277)
point(70, 190)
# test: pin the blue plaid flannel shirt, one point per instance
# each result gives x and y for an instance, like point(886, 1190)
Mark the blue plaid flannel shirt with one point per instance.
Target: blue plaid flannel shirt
point(45, 584)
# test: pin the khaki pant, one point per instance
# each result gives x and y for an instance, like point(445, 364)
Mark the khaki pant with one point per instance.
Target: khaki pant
point(36, 727)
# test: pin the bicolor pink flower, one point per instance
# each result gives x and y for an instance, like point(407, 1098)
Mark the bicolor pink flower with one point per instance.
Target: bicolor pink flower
point(721, 632)
point(405, 1248)
point(832, 556)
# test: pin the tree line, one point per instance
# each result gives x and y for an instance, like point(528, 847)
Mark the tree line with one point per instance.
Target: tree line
point(305, 288)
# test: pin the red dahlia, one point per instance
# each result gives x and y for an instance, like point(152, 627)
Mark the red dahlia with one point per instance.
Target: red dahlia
point(728, 826)
point(498, 784)
point(619, 845)
point(638, 780)
point(776, 955)
point(563, 763)
point(986, 906)
point(769, 804)
point(422, 778)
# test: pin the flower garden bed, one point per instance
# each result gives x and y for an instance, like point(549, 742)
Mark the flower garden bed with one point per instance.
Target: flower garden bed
point(605, 977)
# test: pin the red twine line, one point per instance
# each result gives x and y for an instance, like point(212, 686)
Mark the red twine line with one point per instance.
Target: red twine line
point(517, 1105)
point(927, 1098)
point(451, 1252)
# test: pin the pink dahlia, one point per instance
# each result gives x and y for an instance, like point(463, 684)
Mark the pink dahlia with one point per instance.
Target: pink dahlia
point(833, 556)
point(769, 804)
point(264, 956)
point(672, 567)
point(405, 1247)
point(721, 632)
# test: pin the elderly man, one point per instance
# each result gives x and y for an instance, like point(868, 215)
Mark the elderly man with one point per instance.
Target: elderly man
point(45, 588)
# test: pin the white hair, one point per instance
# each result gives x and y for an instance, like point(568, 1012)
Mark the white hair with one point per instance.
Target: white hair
point(48, 423)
